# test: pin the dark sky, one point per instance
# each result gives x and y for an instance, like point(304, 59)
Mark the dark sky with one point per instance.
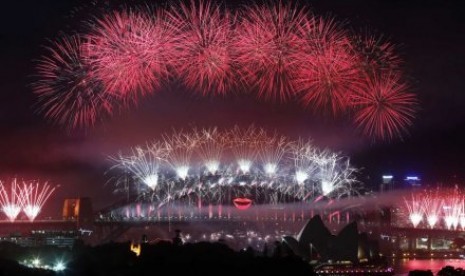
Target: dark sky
point(431, 39)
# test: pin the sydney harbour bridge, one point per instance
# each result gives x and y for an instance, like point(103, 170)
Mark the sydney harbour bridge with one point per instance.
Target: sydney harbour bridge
point(131, 220)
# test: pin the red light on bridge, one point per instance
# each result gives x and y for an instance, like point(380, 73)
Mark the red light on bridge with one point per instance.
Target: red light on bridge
point(242, 203)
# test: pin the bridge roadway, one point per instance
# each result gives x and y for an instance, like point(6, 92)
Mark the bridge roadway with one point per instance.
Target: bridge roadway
point(109, 229)
point(25, 227)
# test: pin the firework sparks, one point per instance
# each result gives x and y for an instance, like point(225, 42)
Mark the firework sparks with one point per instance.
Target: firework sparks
point(375, 54)
point(442, 208)
point(299, 171)
point(302, 153)
point(68, 92)
point(35, 196)
point(244, 144)
point(384, 109)
point(131, 52)
point(180, 147)
point(281, 51)
point(415, 209)
point(143, 163)
point(334, 174)
point(432, 209)
point(11, 201)
point(329, 76)
point(204, 33)
point(268, 48)
point(271, 152)
point(210, 148)
point(452, 209)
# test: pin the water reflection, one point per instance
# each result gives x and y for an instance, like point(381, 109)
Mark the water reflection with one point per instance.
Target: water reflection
point(403, 266)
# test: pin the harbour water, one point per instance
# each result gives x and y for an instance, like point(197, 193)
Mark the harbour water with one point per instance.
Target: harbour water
point(403, 266)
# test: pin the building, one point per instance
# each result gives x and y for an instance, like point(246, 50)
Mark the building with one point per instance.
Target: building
point(78, 209)
point(38, 238)
point(412, 181)
point(387, 183)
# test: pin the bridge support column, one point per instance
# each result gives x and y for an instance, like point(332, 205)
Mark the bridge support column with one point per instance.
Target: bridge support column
point(397, 243)
point(412, 243)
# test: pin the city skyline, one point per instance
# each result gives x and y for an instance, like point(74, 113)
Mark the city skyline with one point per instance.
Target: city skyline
point(427, 35)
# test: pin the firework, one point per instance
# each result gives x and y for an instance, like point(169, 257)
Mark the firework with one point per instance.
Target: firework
point(68, 92)
point(271, 152)
point(462, 220)
point(415, 209)
point(432, 208)
point(302, 153)
point(299, 171)
point(384, 108)
point(11, 201)
point(35, 198)
point(143, 163)
point(268, 48)
point(281, 51)
point(334, 174)
point(461, 213)
point(452, 209)
point(210, 148)
point(375, 54)
point(443, 209)
point(328, 77)
point(203, 32)
point(131, 52)
point(180, 147)
point(244, 145)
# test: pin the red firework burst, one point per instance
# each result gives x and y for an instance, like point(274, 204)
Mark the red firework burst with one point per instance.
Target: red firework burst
point(384, 109)
point(329, 75)
point(375, 54)
point(203, 34)
point(279, 50)
point(269, 49)
point(68, 92)
point(131, 52)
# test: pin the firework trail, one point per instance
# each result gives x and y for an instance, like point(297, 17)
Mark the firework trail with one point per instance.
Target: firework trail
point(35, 198)
point(244, 145)
point(180, 147)
point(415, 209)
point(453, 210)
point(462, 213)
point(210, 148)
point(68, 92)
point(334, 174)
point(143, 163)
point(203, 34)
point(302, 154)
point(432, 209)
point(384, 108)
point(272, 153)
point(268, 48)
point(444, 208)
point(11, 201)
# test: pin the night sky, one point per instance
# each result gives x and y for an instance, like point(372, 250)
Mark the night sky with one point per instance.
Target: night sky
point(431, 40)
